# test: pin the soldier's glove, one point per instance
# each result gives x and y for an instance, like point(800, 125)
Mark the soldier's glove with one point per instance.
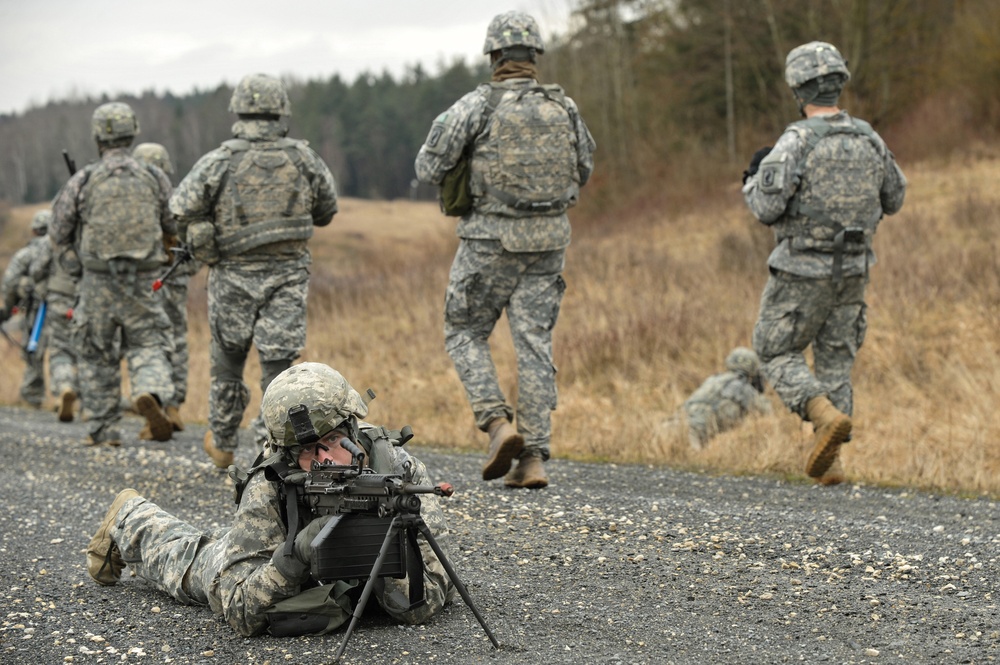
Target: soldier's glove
point(4, 314)
point(169, 242)
point(295, 567)
point(755, 161)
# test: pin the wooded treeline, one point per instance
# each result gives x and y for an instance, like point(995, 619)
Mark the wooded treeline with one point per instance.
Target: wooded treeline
point(669, 88)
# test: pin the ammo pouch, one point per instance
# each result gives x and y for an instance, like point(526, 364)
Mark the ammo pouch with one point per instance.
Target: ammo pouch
point(456, 192)
point(201, 238)
point(316, 611)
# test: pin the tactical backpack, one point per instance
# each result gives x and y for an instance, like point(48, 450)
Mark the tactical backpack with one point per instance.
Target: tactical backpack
point(121, 211)
point(837, 206)
point(266, 197)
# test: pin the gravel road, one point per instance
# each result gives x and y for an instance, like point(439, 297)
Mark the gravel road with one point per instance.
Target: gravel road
point(610, 564)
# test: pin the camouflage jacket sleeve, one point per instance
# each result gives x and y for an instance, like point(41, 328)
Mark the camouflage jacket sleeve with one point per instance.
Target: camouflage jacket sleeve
point(894, 186)
point(167, 221)
point(768, 200)
point(16, 270)
point(450, 133)
point(585, 144)
point(194, 199)
point(248, 582)
point(323, 186)
point(41, 262)
point(393, 594)
point(66, 209)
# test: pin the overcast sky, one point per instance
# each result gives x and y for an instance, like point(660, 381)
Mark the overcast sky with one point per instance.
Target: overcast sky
point(55, 49)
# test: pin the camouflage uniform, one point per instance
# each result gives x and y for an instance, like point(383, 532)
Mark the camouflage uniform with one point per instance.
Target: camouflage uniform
point(257, 281)
point(56, 272)
point(117, 229)
point(18, 289)
point(824, 198)
point(174, 291)
point(725, 399)
point(511, 254)
point(242, 571)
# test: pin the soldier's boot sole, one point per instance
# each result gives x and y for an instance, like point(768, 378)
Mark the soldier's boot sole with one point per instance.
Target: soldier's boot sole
point(159, 425)
point(529, 474)
point(66, 400)
point(829, 438)
point(505, 445)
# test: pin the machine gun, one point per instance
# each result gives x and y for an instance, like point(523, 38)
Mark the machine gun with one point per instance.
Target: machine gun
point(373, 529)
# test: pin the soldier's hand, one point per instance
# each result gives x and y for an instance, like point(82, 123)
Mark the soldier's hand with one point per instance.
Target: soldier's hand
point(755, 161)
point(304, 538)
point(169, 242)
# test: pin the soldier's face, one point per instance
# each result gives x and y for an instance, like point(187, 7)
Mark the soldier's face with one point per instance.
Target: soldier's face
point(327, 449)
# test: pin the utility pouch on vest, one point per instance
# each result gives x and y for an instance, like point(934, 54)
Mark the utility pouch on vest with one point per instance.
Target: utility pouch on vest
point(315, 611)
point(456, 192)
point(201, 238)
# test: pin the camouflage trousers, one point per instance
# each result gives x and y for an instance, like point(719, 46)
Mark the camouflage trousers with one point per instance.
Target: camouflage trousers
point(32, 388)
point(112, 304)
point(797, 312)
point(175, 293)
point(62, 353)
point(485, 281)
point(169, 553)
point(264, 306)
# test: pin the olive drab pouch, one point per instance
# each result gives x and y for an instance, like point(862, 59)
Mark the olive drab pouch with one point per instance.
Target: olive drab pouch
point(316, 611)
point(455, 194)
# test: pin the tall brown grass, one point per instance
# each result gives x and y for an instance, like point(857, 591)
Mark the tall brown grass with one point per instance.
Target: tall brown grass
point(657, 296)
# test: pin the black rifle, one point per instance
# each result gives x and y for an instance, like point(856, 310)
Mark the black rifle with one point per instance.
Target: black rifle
point(373, 529)
point(182, 254)
point(70, 164)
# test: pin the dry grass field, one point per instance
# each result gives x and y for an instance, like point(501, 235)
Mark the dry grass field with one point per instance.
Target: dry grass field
point(657, 296)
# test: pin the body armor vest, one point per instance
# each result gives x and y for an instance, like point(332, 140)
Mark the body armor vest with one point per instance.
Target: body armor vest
point(121, 213)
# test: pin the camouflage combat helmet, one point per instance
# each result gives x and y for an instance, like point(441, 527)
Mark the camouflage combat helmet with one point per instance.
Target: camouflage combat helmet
point(513, 29)
point(260, 94)
point(155, 154)
point(743, 360)
point(813, 60)
point(40, 222)
point(113, 121)
point(326, 394)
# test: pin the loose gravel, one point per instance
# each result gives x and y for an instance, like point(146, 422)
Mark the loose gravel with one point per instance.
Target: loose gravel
point(610, 564)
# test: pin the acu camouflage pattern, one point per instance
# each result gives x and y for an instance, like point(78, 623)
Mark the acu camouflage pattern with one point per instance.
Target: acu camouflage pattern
point(725, 399)
point(115, 298)
point(568, 155)
point(260, 93)
point(231, 569)
point(258, 296)
point(513, 29)
point(485, 280)
point(804, 303)
point(326, 393)
point(19, 290)
point(113, 121)
point(56, 272)
point(848, 179)
point(809, 61)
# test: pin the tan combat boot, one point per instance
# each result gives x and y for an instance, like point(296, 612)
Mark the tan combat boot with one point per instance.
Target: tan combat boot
point(529, 473)
point(174, 416)
point(159, 425)
point(104, 560)
point(834, 475)
point(505, 445)
point(222, 458)
point(831, 430)
point(66, 400)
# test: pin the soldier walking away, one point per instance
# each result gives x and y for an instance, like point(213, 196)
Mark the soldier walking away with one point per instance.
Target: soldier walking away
point(19, 292)
point(174, 293)
point(56, 272)
point(114, 211)
point(725, 399)
point(257, 574)
point(526, 152)
point(823, 188)
point(247, 209)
